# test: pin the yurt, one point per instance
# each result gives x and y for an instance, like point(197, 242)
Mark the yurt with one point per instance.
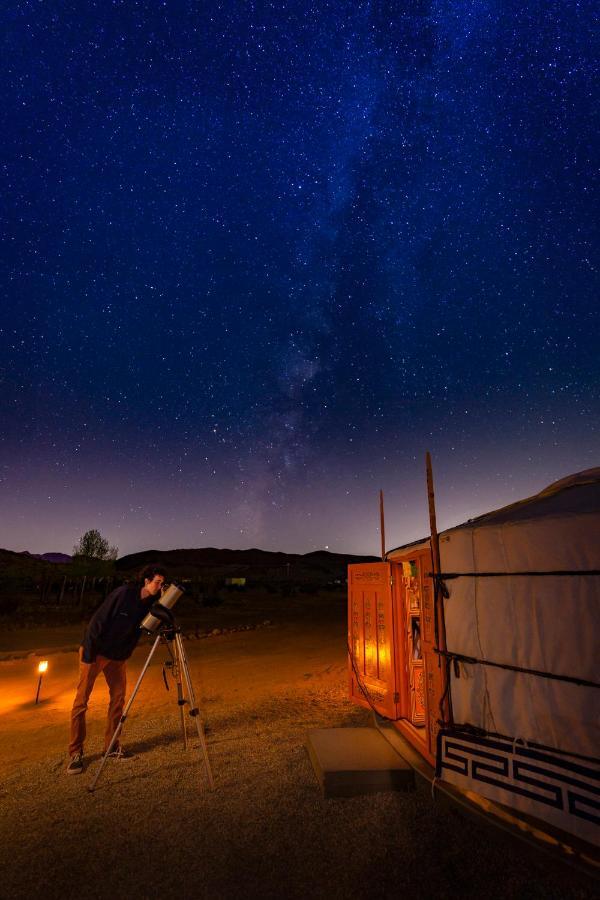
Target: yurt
point(483, 654)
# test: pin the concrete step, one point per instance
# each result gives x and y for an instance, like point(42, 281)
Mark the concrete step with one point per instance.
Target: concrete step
point(353, 761)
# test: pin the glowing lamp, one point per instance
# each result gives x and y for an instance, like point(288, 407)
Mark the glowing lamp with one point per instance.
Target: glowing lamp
point(42, 667)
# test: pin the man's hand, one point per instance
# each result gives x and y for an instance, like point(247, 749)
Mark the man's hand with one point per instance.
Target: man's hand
point(163, 613)
point(167, 619)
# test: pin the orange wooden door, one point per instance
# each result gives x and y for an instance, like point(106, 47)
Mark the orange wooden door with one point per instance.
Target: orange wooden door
point(371, 652)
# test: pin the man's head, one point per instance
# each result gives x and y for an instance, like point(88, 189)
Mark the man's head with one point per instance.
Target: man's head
point(152, 578)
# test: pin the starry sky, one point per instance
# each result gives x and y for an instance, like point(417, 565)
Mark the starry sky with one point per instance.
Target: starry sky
point(258, 257)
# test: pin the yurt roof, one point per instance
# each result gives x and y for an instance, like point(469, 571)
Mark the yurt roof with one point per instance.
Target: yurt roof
point(575, 494)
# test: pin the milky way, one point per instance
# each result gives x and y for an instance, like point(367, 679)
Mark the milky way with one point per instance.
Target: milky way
point(257, 258)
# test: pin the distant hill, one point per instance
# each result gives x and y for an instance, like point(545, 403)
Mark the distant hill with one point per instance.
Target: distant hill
point(53, 565)
point(319, 565)
point(252, 563)
point(60, 558)
point(9, 559)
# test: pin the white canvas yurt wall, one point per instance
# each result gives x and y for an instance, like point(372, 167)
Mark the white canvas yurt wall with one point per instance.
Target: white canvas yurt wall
point(544, 622)
point(548, 623)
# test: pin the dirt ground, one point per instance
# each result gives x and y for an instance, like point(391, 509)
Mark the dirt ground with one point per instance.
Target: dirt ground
point(153, 829)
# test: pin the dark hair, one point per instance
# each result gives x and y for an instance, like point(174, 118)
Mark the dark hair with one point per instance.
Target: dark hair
point(151, 570)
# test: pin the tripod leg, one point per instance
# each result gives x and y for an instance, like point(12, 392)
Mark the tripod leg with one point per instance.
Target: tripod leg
point(180, 697)
point(194, 711)
point(119, 727)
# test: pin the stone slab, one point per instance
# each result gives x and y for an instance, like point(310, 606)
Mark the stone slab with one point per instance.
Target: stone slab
point(349, 762)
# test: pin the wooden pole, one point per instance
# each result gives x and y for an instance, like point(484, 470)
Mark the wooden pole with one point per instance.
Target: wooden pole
point(439, 618)
point(435, 543)
point(382, 525)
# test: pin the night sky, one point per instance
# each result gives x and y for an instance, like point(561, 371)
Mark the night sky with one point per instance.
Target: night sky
point(257, 258)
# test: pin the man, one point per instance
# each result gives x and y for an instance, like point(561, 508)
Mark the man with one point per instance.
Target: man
point(109, 640)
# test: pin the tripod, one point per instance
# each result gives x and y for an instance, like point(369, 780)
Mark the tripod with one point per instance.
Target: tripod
point(170, 635)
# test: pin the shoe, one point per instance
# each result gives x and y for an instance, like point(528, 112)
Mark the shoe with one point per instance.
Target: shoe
point(75, 766)
point(121, 753)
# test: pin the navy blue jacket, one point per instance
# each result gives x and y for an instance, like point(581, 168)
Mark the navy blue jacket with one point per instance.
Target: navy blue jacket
point(114, 629)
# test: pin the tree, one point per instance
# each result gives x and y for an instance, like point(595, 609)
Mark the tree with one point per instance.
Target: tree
point(93, 545)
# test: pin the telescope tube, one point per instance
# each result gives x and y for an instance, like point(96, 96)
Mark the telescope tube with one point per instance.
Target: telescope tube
point(169, 599)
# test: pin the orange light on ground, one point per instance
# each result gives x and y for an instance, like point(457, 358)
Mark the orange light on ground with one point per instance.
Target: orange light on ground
point(42, 667)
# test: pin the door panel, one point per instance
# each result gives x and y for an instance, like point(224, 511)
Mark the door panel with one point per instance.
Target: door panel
point(371, 664)
point(413, 580)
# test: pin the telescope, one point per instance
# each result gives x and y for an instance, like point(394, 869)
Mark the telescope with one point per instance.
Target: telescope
point(170, 597)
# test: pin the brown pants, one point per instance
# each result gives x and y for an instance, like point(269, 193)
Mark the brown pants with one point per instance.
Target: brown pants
point(115, 675)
